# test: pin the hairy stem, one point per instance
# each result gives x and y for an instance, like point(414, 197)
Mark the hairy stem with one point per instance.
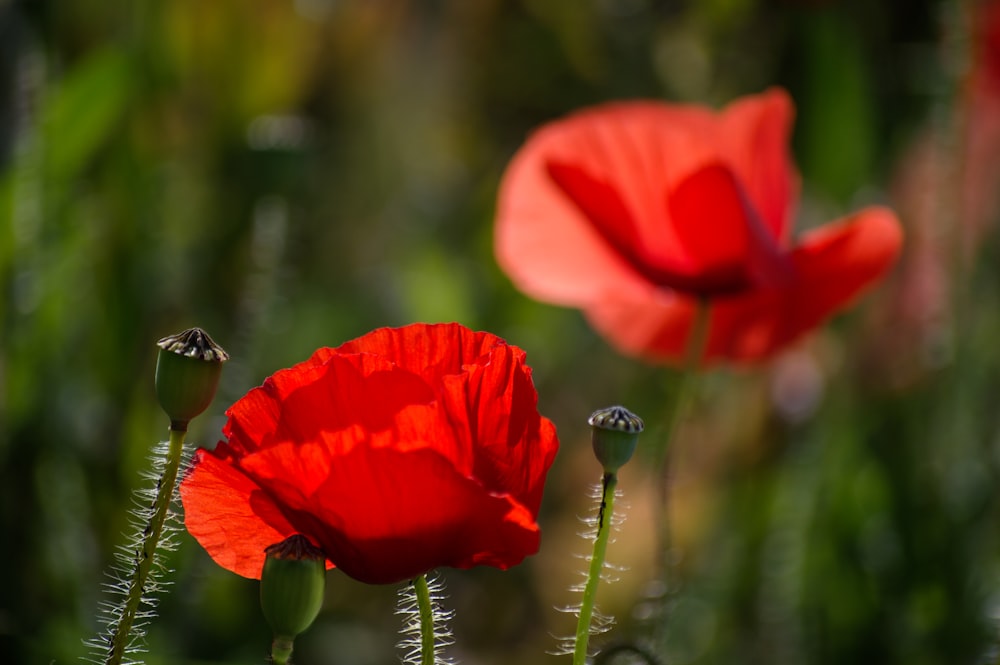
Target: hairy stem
point(610, 482)
point(146, 552)
point(426, 610)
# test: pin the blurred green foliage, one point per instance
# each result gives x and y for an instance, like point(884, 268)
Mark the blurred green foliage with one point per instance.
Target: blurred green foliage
point(291, 174)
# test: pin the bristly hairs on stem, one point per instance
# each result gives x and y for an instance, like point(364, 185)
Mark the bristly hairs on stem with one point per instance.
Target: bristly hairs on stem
point(188, 367)
point(600, 521)
point(137, 574)
point(426, 627)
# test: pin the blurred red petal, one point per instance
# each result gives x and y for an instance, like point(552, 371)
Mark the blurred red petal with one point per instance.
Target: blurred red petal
point(688, 204)
point(648, 322)
point(754, 137)
point(725, 245)
point(833, 265)
point(555, 209)
point(581, 210)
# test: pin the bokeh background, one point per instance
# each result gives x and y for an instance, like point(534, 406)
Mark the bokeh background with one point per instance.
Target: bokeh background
point(289, 174)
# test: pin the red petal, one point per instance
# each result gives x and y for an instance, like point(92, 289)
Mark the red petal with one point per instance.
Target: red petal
point(496, 403)
point(428, 350)
point(295, 404)
point(391, 473)
point(552, 233)
point(833, 265)
point(382, 515)
point(487, 391)
point(725, 246)
point(754, 142)
point(648, 322)
point(581, 210)
point(229, 515)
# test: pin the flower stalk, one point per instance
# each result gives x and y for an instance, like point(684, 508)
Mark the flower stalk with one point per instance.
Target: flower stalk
point(188, 368)
point(615, 434)
point(425, 610)
point(145, 555)
point(425, 627)
point(608, 486)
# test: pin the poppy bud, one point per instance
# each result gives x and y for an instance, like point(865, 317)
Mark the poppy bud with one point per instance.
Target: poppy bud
point(615, 435)
point(188, 368)
point(291, 586)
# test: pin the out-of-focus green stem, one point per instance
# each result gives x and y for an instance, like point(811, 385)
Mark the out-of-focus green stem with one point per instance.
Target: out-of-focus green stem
point(426, 611)
point(146, 553)
point(695, 348)
point(697, 340)
point(610, 482)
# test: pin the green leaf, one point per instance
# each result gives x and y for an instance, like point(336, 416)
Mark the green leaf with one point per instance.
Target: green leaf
point(82, 111)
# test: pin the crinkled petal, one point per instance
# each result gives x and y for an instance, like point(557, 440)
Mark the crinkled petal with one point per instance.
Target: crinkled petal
point(430, 351)
point(496, 403)
point(382, 515)
point(300, 403)
point(372, 450)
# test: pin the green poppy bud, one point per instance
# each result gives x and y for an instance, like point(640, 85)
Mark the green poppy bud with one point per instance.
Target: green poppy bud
point(614, 436)
point(291, 586)
point(188, 368)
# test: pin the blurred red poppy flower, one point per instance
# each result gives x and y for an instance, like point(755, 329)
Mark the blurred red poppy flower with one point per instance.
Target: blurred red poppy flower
point(633, 211)
point(398, 452)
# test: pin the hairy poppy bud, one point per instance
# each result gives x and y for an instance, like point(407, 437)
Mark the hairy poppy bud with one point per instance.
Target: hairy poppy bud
point(188, 368)
point(615, 435)
point(291, 586)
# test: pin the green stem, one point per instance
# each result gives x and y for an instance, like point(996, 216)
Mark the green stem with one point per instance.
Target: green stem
point(426, 611)
point(610, 482)
point(145, 555)
point(697, 340)
point(693, 352)
point(281, 650)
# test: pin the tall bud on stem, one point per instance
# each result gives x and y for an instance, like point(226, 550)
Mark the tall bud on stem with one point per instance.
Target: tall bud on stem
point(187, 375)
point(614, 437)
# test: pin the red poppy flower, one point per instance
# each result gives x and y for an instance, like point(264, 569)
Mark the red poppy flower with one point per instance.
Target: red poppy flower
point(396, 453)
point(633, 211)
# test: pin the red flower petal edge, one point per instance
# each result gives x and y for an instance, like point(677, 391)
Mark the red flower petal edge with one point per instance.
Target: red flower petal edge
point(401, 451)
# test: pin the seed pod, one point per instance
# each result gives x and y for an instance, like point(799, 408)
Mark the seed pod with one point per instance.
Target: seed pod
point(292, 585)
point(614, 436)
point(188, 368)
